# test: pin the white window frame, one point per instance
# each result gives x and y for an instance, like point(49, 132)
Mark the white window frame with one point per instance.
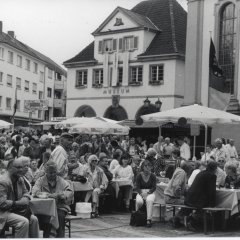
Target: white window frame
point(50, 73)
point(81, 78)
point(28, 64)
point(136, 79)
point(157, 77)
point(35, 67)
point(40, 94)
point(26, 86)
point(49, 90)
point(9, 80)
point(18, 80)
point(2, 53)
point(8, 103)
point(10, 57)
point(97, 77)
point(41, 76)
point(34, 88)
point(1, 77)
point(19, 61)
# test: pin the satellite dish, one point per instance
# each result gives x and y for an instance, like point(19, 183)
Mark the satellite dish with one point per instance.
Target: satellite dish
point(182, 121)
point(139, 121)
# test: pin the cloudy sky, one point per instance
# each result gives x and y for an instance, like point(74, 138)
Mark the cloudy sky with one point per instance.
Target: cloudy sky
point(59, 29)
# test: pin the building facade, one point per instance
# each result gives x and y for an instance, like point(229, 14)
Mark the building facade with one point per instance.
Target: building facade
point(134, 66)
point(26, 74)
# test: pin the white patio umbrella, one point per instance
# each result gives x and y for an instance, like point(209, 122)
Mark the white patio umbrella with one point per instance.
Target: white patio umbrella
point(99, 127)
point(195, 114)
point(4, 124)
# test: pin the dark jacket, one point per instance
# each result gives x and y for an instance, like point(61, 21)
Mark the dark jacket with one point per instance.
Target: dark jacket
point(202, 192)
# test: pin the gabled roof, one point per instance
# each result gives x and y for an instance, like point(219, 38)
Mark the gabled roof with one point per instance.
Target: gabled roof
point(13, 42)
point(87, 54)
point(171, 18)
point(167, 16)
point(140, 20)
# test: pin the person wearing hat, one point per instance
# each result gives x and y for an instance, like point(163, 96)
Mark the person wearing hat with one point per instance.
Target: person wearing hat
point(98, 181)
point(60, 154)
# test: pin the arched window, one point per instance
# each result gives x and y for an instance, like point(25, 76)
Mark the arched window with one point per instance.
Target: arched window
point(227, 43)
point(116, 113)
point(85, 111)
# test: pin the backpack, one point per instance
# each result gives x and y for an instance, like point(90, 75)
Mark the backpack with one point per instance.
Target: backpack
point(139, 218)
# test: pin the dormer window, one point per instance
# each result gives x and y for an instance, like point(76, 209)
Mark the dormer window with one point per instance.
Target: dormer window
point(107, 45)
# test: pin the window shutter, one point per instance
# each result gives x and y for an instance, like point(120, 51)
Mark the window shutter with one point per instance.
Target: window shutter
point(114, 45)
point(135, 42)
point(120, 44)
point(100, 46)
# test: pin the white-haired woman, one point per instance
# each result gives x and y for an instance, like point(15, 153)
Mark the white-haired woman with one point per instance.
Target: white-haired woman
point(97, 178)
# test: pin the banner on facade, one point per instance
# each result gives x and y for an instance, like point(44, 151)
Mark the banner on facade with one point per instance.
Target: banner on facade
point(32, 105)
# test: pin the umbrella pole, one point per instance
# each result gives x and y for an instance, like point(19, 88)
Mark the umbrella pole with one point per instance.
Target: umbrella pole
point(159, 130)
point(205, 143)
point(194, 147)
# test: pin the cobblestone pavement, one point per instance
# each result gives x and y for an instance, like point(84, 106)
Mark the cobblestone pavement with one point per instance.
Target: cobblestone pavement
point(117, 226)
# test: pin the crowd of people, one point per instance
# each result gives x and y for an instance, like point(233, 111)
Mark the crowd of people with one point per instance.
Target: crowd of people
point(37, 164)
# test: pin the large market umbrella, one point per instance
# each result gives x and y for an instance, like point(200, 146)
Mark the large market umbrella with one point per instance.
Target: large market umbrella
point(99, 127)
point(4, 124)
point(194, 114)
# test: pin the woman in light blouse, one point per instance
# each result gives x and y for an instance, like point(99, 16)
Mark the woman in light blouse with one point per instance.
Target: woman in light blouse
point(124, 172)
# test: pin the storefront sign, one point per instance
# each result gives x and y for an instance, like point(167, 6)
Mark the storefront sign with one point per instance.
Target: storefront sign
point(32, 105)
point(113, 91)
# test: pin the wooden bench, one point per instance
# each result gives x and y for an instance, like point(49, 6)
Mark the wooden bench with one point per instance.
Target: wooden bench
point(211, 211)
point(68, 220)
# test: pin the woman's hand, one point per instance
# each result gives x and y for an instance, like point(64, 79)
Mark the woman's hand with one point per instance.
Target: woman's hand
point(144, 195)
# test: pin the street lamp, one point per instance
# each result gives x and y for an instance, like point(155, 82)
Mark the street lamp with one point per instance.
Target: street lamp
point(158, 104)
point(146, 102)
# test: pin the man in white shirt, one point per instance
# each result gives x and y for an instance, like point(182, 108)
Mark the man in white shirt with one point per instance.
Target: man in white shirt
point(167, 148)
point(158, 146)
point(232, 150)
point(220, 153)
point(184, 149)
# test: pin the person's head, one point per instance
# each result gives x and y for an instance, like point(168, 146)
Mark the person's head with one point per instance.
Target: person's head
point(124, 160)
point(46, 157)
point(117, 154)
point(66, 140)
point(2, 140)
point(151, 152)
point(203, 165)
point(180, 141)
point(132, 141)
point(51, 171)
point(25, 141)
point(33, 164)
point(176, 153)
point(33, 142)
point(75, 146)
point(82, 160)
point(47, 142)
point(15, 168)
point(197, 165)
point(184, 165)
point(223, 141)
point(127, 138)
point(93, 160)
point(18, 138)
point(231, 170)
point(136, 160)
point(26, 163)
point(231, 142)
point(146, 166)
point(57, 140)
point(103, 161)
point(94, 138)
point(160, 139)
point(218, 143)
point(212, 166)
point(167, 140)
point(208, 148)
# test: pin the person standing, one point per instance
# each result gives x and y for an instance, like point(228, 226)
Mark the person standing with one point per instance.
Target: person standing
point(232, 150)
point(158, 146)
point(184, 149)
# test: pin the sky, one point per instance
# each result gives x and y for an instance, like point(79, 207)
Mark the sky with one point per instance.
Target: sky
point(59, 29)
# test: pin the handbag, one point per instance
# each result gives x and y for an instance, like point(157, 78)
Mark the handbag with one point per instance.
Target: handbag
point(139, 218)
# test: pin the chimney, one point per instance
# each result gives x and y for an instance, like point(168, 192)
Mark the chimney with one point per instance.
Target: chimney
point(11, 33)
point(1, 27)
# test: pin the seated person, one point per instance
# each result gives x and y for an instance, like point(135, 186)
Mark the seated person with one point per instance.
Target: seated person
point(59, 189)
point(97, 178)
point(232, 179)
point(116, 159)
point(26, 172)
point(124, 172)
point(14, 202)
point(198, 166)
point(136, 167)
point(146, 185)
point(33, 172)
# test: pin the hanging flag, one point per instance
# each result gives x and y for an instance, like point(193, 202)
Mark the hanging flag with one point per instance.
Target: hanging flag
point(14, 107)
point(219, 92)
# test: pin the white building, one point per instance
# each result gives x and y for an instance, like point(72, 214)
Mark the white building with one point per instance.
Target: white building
point(136, 54)
point(29, 75)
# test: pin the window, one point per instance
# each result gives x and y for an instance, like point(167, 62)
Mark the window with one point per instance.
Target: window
point(49, 92)
point(107, 45)
point(19, 61)
point(9, 80)
point(34, 89)
point(26, 87)
point(58, 76)
point(41, 77)
point(10, 57)
point(1, 53)
point(136, 75)
point(8, 103)
point(81, 79)
point(0, 101)
point(39, 113)
point(156, 74)
point(28, 64)
point(18, 83)
point(227, 43)
point(120, 76)
point(50, 73)
point(128, 43)
point(97, 77)
point(35, 66)
point(40, 95)
point(18, 105)
point(1, 77)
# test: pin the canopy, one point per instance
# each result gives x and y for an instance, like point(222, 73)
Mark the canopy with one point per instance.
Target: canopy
point(194, 114)
point(4, 124)
point(99, 127)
